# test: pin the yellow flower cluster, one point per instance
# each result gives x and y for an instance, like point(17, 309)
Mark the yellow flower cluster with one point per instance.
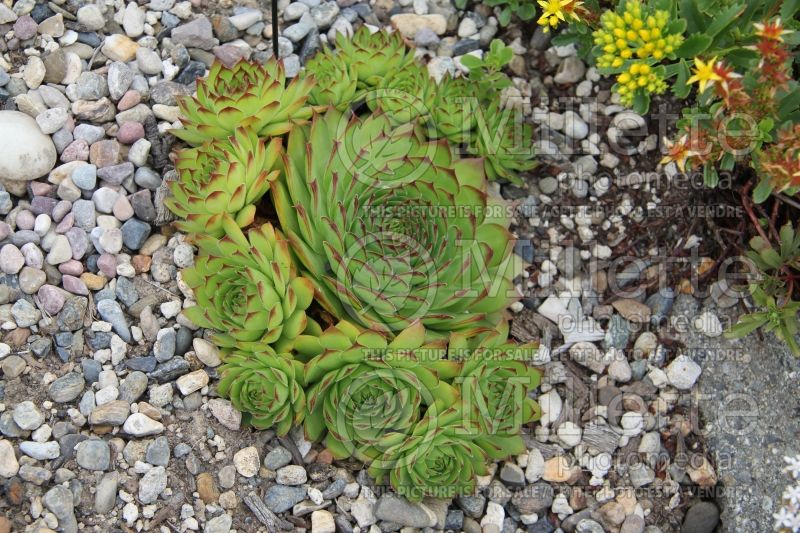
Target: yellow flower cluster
point(640, 75)
point(636, 32)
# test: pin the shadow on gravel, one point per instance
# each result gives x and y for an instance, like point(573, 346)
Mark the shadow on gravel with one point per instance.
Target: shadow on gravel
point(750, 411)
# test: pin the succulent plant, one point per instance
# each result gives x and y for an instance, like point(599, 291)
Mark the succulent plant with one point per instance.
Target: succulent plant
point(248, 292)
point(266, 387)
point(392, 228)
point(245, 95)
point(336, 81)
point(494, 383)
point(453, 113)
point(439, 458)
point(221, 180)
point(374, 55)
point(404, 95)
point(505, 144)
point(367, 386)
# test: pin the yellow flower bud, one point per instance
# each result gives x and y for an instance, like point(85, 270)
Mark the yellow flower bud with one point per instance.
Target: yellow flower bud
point(626, 54)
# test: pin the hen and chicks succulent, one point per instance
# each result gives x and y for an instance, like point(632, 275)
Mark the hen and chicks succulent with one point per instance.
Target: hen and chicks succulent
point(381, 232)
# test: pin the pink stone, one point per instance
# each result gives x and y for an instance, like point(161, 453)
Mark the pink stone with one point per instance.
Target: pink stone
point(122, 209)
point(76, 151)
point(25, 219)
point(52, 298)
point(66, 223)
point(74, 285)
point(39, 188)
point(72, 267)
point(130, 132)
point(107, 265)
point(129, 100)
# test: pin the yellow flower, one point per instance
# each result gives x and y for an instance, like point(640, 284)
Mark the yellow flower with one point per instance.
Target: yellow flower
point(704, 73)
point(552, 12)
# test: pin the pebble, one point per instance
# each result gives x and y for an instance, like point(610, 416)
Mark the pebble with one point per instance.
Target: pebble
point(27, 416)
point(140, 425)
point(683, 373)
point(152, 484)
point(396, 509)
point(91, 17)
point(8, 460)
point(193, 381)
point(574, 126)
point(408, 24)
point(247, 462)
point(322, 522)
point(93, 454)
point(118, 47)
point(41, 451)
point(105, 496)
point(281, 498)
point(66, 388)
point(290, 475)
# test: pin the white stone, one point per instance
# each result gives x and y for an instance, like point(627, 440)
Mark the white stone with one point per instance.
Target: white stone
point(322, 522)
point(535, 468)
point(246, 461)
point(569, 433)
point(25, 153)
point(683, 372)
point(141, 425)
point(193, 381)
point(206, 352)
point(291, 475)
point(8, 461)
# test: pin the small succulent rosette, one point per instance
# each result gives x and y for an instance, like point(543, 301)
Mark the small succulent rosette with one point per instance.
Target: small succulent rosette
point(495, 383)
point(248, 291)
point(363, 386)
point(266, 387)
point(438, 458)
point(221, 180)
point(247, 95)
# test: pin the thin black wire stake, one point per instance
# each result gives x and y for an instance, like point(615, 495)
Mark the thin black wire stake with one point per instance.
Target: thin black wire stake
point(275, 28)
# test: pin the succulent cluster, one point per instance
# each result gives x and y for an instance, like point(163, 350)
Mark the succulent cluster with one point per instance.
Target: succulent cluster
point(378, 230)
point(378, 69)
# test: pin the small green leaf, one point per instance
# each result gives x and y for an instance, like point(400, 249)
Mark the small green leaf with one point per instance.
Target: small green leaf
point(762, 191)
point(710, 176)
point(694, 46)
point(641, 102)
point(526, 11)
point(505, 16)
point(746, 325)
point(727, 162)
point(680, 88)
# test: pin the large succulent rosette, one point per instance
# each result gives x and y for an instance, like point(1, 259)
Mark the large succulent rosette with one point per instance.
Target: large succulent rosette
point(248, 291)
point(266, 387)
point(363, 386)
point(246, 95)
point(439, 458)
point(222, 180)
point(494, 383)
point(393, 228)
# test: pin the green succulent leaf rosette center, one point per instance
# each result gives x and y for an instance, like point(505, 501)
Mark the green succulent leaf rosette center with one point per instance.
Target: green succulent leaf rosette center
point(267, 388)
